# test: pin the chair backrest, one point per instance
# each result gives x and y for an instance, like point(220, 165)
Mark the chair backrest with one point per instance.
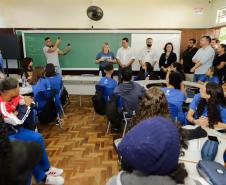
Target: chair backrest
point(173, 111)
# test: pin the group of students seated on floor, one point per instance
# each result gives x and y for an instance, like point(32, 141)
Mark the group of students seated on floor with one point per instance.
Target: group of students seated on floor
point(19, 137)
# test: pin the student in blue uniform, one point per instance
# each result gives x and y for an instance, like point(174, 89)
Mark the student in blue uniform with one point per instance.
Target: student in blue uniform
point(130, 92)
point(107, 81)
point(105, 57)
point(38, 80)
point(54, 78)
point(209, 107)
point(209, 77)
point(173, 93)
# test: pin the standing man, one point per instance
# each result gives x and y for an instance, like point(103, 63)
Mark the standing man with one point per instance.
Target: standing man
point(125, 58)
point(215, 43)
point(148, 54)
point(52, 52)
point(203, 59)
point(186, 59)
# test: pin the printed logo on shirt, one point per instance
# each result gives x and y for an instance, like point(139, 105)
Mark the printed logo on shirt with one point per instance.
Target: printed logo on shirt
point(167, 92)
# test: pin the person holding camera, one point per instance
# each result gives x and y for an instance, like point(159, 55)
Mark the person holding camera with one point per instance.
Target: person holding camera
point(52, 52)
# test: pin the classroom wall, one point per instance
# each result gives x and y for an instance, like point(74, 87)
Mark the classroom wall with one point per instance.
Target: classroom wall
point(117, 14)
point(216, 5)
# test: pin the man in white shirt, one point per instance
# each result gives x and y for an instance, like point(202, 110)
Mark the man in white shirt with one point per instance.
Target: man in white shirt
point(52, 52)
point(148, 54)
point(125, 58)
point(203, 59)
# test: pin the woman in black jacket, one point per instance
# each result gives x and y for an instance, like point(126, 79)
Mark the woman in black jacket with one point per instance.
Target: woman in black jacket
point(166, 59)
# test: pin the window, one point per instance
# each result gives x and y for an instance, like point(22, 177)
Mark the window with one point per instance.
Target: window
point(221, 15)
point(222, 37)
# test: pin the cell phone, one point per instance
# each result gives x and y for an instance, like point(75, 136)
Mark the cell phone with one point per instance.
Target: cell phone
point(68, 44)
point(222, 131)
point(213, 138)
point(58, 38)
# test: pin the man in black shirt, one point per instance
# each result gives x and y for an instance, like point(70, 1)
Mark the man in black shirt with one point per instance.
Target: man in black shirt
point(219, 62)
point(186, 59)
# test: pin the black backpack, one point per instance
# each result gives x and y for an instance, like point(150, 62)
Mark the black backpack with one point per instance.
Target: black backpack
point(114, 116)
point(99, 103)
point(64, 97)
point(48, 113)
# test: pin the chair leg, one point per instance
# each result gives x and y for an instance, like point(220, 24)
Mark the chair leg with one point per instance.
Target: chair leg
point(125, 127)
point(108, 128)
point(62, 109)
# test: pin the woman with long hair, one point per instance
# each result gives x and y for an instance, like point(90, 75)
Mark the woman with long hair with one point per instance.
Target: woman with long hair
point(209, 107)
point(27, 67)
point(147, 73)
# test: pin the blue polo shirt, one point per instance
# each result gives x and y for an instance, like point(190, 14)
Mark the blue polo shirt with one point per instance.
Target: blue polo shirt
point(55, 81)
point(105, 56)
point(42, 85)
point(209, 79)
point(109, 83)
point(175, 97)
point(194, 104)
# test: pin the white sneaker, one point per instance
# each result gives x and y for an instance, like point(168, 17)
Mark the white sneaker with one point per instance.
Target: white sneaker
point(54, 172)
point(54, 180)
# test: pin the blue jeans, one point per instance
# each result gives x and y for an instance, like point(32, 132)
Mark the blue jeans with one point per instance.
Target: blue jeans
point(197, 77)
point(29, 135)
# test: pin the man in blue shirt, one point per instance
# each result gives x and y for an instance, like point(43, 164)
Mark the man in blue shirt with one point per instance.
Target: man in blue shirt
point(107, 81)
point(105, 57)
point(209, 77)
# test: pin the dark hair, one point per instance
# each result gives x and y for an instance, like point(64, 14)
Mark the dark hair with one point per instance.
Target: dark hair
point(108, 67)
point(175, 79)
point(179, 69)
point(216, 39)
point(223, 46)
point(216, 99)
point(207, 38)
point(38, 72)
point(149, 67)
point(5, 155)
point(47, 38)
point(193, 40)
point(126, 39)
point(26, 62)
point(50, 70)
point(168, 43)
point(8, 84)
point(213, 69)
point(127, 75)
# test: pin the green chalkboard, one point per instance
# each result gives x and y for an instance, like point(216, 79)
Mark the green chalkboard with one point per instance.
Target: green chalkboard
point(85, 46)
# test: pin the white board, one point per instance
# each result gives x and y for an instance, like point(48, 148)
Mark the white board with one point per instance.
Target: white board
point(138, 41)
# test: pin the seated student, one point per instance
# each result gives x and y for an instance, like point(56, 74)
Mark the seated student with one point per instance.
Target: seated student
point(43, 171)
point(107, 81)
point(153, 103)
point(209, 77)
point(27, 68)
point(209, 107)
point(54, 78)
point(130, 92)
point(175, 67)
point(150, 155)
point(147, 73)
point(38, 80)
point(173, 93)
point(14, 171)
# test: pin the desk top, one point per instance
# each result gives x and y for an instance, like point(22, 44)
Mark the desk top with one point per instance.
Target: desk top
point(25, 90)
point(69, 78)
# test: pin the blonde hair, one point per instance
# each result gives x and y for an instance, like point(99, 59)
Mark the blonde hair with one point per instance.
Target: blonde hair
point(105, 44)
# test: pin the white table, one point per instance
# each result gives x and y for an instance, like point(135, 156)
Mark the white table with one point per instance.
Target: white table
point(193, 153)
point(25, 90)
point(81, 85)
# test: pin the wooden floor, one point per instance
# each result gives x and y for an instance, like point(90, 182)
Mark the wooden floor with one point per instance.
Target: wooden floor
point(81, 147)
